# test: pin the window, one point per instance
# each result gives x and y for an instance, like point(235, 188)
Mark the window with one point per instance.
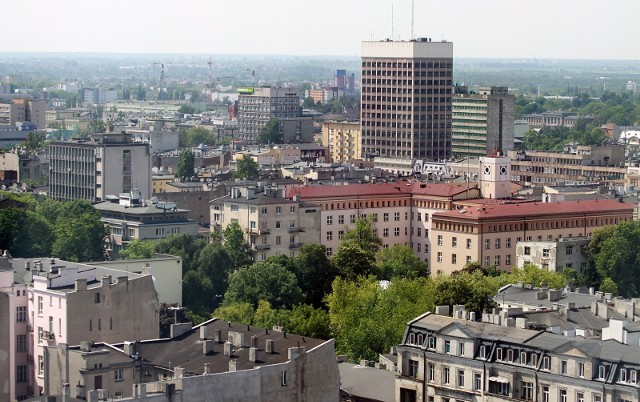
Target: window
point(40, 366)
point(352, 219)
point(413, 368)
point(497, 245)
point(330, 235)
point(234, 208)
point(419, 232)
point(545, 393)
point(454, 241)
point(487, 260)
point(117, 375)
point(419, 216)
point(447, 346)
point(278, 225)
point(454, 258)
point(329, 251)
point(460, 349)
point(581, 369)
point(21, 373)
point(396, 231)
point(563, 395)
point(545, 253)
point(597, 398)
point(500, 354)
point(439, 257)
point(419, 247)
point(507, 242)
point(527, 391)
point(534, 360)
point(292, 208)
point(340, 234)
point(527, 250)
point(431, 343)
point(497, 261)
point(445, 375)
point(510, 355)
point(569, 250)
point(523, 357)
point(439, 240)
point(482, 352)
point(461, 378)
point(431, 369)
point(623, 375)
point(634, 376)
point(278, 210)
point(396, 216)
point(385, 232)
point(477, 381)
point(96, 298)
point(40, 305)
point(579, 396)
point(546, 364)
point(264, 210)
point(487, 244)
point(21, 314)
point(385, 217)
point(341, 219)
point(563, 367)
point(507, 259)
point(283, 378)
point(468, 243)
point(602, 372)
point(21, 343)
point(329, 219)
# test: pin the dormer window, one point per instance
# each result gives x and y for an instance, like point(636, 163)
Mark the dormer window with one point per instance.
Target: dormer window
point(634, 376)
point(500, 354)
point(623, 375)
point(420, 339)
point(534, 360)
point(510, 355)
point(412, 339)
point(523, 357)
point(546, 363)
point(447, 346)
point(482, 353)
point(432, 342)
point(602, 372)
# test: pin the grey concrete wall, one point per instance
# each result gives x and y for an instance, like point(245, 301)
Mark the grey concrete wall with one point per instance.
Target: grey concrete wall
point(5, 360)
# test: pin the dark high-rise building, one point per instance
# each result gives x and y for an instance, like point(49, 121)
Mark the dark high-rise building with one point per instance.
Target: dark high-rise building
point(406, 100)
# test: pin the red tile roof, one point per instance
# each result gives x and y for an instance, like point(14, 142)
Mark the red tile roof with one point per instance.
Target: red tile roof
point(378, 189)
point(537, 209)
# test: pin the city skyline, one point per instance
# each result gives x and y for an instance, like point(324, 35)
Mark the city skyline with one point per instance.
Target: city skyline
point(491, 29)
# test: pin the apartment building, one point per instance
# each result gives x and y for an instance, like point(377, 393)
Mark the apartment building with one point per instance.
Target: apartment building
point(216, 360)
point(257, 106)
point(51, 302)
point(550, 119)
point(107, 164)
point(442, 359)
point(554, 255)
point(406, 99)
point(587, 164)
point(20, 110)
point(482, 122)
point(343, 140)
point(130, 217)
point(274, 225)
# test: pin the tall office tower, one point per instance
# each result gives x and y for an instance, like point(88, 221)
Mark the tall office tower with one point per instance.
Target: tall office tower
point(483, 122)
point(406, 100)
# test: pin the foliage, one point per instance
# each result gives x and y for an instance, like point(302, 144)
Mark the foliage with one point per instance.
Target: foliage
point(138, 250)
point(314, 272)
point(609, 286)
point(308, 103)
point(554, 138)
point(399, 261)
point(186, 164)
point(239, 312)
point(182, 245)
point(266, 280)
point(356, 254)
point(186, 109)
point(246, 168)
point(79, 233)
point(614, 254)
point(270, 133)
point(531, 273)
point(475, 291)
point(196, 136)
point(364, 235)
point(236, 245)
point(35, 140)
point(171, 314)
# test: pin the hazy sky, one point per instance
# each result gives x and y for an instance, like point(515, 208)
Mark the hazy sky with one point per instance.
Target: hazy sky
point(590, 29)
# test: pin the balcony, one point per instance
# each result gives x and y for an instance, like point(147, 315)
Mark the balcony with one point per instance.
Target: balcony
point(295, 245)
point(260, 247)
point(264, 231)
point(294, 229)
point(47, 336)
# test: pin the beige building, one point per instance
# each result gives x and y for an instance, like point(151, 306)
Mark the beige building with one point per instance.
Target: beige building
point(108, 164)
point(554, 255)
point(274, 225)
point(23, 110)
point(343, 140)
point(443, 359)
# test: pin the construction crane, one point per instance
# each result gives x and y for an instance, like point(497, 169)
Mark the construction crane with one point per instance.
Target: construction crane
point(161, 84)
point(209, 87)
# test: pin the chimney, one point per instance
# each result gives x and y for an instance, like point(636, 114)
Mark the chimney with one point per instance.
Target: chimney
point(203, 332)
point(106, 280)
point(472, 316)
point(178, 372)
point(179, 329)
point(217, 335)
point(253, 354)
point(442, 310)
point(270, 346)
point(123, 279)
point(81, 284)
point(207, 347)
point(233, 365)
point(145, 268)
point(129, 348)
point(510, 322)
point(228, 349)
point(295, 352)
point(207, 368)
point(254, 341)
point(85, 346)
point(522, 323)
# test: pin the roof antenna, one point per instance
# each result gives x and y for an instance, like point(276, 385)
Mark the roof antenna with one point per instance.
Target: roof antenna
point(412, 3)
point(392, 21)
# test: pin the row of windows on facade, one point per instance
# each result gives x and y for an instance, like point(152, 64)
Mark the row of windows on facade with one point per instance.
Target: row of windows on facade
point(263, 210)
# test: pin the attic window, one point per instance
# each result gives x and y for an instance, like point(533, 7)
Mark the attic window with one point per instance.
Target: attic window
point(602, 372)
point(283, 379)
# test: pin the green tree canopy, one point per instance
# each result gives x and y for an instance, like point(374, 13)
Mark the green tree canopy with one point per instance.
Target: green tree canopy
point(79, 233)
point(399, 261)
point(138, 250)
point(35, 140)
point(186, 165)
point(236, 245)
point(270, 133)
point(315, 273)
point(266, 280)
point(246, 168)
point(356, 254)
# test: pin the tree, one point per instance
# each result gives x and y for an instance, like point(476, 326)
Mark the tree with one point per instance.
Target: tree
point(352, 261)
point(186, 109)
point(609, 286)
point(363, 235)
point(266, 280)
point(308, 103)
point(79, 233)
point(186, 164)
point(199, 135)
point(399, 261)
point(315, 273)
point(270, 133)
point(137, 250)
point(247, 168)
point(235, 312)
point(236, 245)
point(35, 140)
point(208, 280)
point(474, 291)
point(183, 245)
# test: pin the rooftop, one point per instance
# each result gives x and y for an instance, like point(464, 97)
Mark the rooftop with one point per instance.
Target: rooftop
point(367, 382)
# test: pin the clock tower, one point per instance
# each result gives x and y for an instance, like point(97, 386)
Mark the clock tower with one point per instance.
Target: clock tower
point(495, 177)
